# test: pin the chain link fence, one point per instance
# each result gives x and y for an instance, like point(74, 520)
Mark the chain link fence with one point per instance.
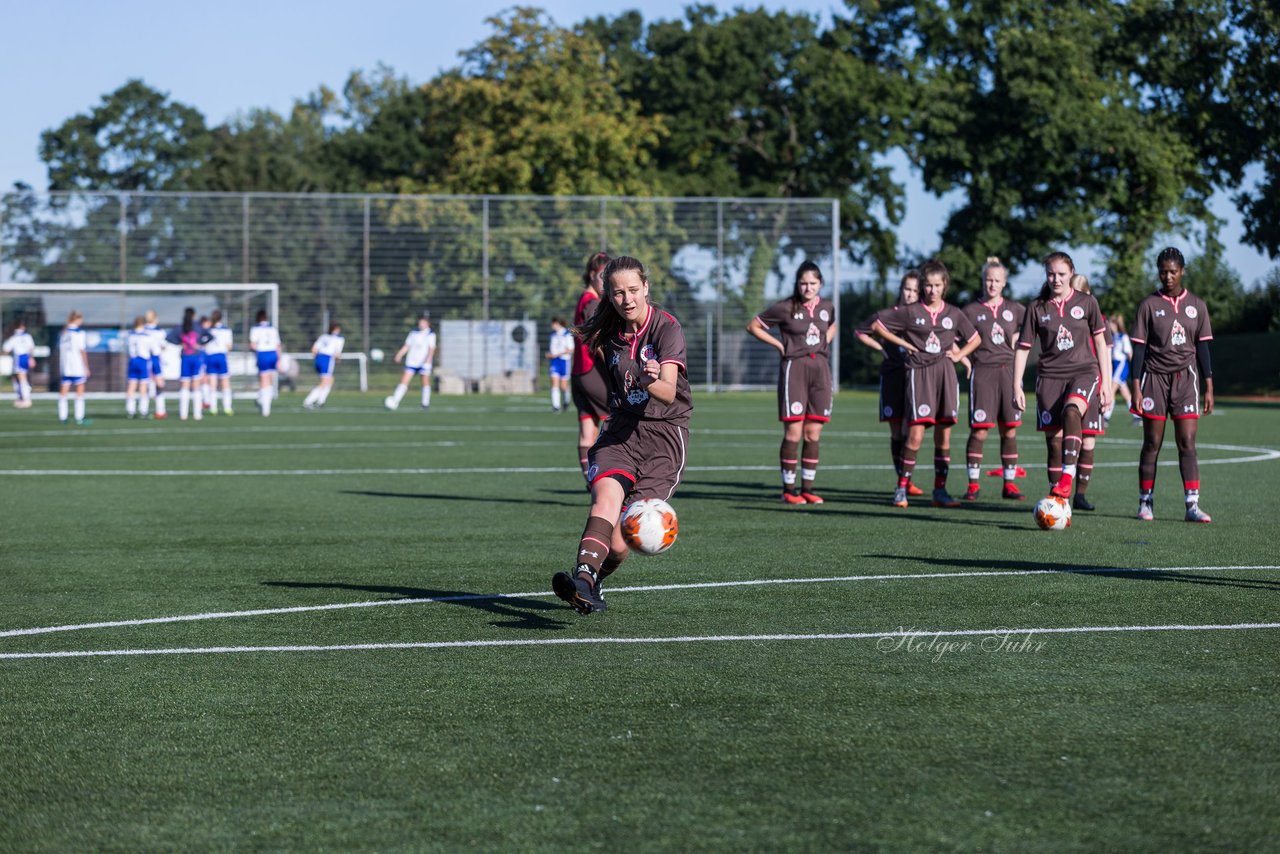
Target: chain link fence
point(374, 262)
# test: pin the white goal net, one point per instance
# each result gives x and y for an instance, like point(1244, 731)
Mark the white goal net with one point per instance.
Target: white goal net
point(109, 312)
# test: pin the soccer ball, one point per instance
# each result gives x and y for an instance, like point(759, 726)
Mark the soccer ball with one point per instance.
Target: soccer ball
point(1053, 513)
point(376, 355)
point(650, 526)
point(389, 402)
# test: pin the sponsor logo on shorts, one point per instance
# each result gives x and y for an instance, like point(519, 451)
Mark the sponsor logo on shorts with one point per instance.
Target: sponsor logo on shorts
point(593, 471)
point(1046, 417)
point(979, 415)
point(1148, 404)
point(797, 408)
point(888, 412)
point(925, 410)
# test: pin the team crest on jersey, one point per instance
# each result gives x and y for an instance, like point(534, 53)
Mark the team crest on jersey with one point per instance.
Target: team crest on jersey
point(947, 323)
point(1007, 315)
point(1178, 335)
point(997, 333)
point(1077, 313)
point(647, 353)
point(812, 336)
point(1191, 312)
point(979, 415)
point(1065, 341)
point(932, 344)
point(924, 409)
point(797, 408)
point(1148, 404)
point(824, 316)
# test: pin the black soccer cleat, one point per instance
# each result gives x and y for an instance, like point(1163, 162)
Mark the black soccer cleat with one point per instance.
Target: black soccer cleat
point(1081, 503)
point(582, 595)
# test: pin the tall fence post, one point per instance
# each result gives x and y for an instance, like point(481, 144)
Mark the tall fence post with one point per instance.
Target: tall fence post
point(835, 277)
point(364, 328)
point(720, 276)
point(244, 239)
point(123, 227)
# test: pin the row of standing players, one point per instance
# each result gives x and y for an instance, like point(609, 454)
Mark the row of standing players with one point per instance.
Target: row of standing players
point(629, 373)
point(204, 378)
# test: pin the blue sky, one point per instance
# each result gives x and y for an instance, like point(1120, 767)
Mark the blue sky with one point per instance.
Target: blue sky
point(62, 56)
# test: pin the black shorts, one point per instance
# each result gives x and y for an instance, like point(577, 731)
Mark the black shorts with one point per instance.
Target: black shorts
point(893, 394)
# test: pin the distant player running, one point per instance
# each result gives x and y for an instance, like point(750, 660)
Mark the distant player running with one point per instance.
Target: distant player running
point(991, 404)
point(418, 352)
point(1066, 328)
point(641, 451)
point(1171, 335)
point(327, 351)
point(559, 359)
point(21, 346)
point(807, 326)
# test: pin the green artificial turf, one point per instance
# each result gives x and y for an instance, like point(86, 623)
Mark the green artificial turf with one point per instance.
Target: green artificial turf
point(754, 712)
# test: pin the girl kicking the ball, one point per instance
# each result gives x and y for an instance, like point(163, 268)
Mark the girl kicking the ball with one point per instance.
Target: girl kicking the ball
point(641, 451)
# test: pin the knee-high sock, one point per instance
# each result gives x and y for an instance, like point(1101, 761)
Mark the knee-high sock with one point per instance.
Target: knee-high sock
point(895, 451)
point(1085, 471)
point(1009, 456)
point(788, 460)
point(941, 468)
point(908, 464)
point(593, 547)
point(973, 457)
point(808, 464)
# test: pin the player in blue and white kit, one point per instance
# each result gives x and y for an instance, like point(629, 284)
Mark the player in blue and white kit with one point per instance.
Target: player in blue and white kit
point(159, 340)
point(215, 363)
point(20, 345)
point(190, 337)
point(327, 351)
point(265, 341)
point(559, 354)
point(418, 351)
point(138, 346)
point(73, 356)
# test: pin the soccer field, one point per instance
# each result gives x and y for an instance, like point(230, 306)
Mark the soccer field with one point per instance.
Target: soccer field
point(334, 629)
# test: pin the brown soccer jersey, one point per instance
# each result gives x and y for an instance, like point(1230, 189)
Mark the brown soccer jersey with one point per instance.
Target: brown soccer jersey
point(1064, 331)
point(1171, 329)
point(932, 334)
point(803, 330)
point(997, 323)
point(662, 339)
point(895, 358)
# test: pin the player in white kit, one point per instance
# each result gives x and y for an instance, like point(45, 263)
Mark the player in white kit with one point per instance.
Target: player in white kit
point(215, 364)
point(264, 340)
point(21, 346)
point(138, 346)
point(159, 341)
point(73, 356)
point(559, 355)
point(418, 351)
point(327, 351)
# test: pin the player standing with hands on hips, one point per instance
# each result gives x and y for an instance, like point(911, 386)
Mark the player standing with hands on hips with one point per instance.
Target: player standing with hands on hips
point(1063, 322)
point(1171, 336)
point(807, 324)
point(641, 451)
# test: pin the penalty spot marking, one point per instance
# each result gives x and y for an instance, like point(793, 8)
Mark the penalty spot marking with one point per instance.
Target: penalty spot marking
point(703, 585)
point(366, 647)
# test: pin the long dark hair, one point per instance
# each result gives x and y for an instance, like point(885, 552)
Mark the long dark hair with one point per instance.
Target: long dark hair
point(595, 263)
point(188, 319)
point(806, 267)
point(1049, 259)
point(606, 322)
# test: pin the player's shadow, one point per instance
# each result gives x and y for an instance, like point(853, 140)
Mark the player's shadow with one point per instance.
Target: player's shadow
point(440, 496)
point(518, 613)
point(1138, 574)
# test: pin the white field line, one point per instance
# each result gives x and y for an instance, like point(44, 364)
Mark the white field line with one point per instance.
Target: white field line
point(902, 633)
point(649, 588)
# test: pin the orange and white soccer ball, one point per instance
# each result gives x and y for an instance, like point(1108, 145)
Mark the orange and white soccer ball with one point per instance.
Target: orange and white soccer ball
point(1053, 513)
point(650, 526)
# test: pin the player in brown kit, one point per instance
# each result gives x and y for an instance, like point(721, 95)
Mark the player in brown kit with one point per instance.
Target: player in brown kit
point(641, 450)
point(936, 336)
point(1066, 326)
point(807, 325)
point(1171, 336)
point(893, 376)
point(999, 322)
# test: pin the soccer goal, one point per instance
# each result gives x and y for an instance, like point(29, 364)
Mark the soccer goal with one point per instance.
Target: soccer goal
point(109, 312)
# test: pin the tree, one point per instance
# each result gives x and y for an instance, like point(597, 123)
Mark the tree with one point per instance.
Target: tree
point(136, 139)
point(1251, 88)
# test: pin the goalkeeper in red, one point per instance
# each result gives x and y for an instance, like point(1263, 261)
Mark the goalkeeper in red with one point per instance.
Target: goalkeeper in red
point(641, 450)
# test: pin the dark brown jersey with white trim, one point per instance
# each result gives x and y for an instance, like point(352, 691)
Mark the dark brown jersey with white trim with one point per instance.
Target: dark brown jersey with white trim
point(803, 330)
point(1064, 331)
point(1171, 329)
point(998, 324)
point(660, 338)
point(931, 333)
